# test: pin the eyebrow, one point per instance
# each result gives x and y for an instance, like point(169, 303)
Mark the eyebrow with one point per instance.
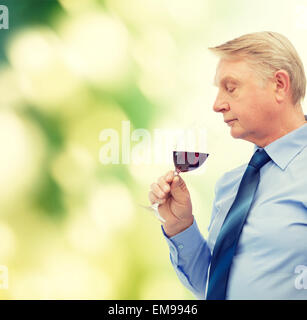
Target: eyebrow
point(225, 80)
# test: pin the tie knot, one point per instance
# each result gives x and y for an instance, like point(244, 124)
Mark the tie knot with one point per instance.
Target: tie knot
point(259, 159)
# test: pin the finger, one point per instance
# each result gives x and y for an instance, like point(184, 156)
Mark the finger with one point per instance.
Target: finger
point(179, 183)
point(158, 192)
point(179, 189)
point(163, 184)
point(169, 176)
point(153, 199)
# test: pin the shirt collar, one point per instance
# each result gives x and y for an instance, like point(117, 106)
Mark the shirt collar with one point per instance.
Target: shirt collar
point(286, 148)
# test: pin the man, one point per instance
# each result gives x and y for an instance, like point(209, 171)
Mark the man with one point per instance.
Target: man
point(256, 248)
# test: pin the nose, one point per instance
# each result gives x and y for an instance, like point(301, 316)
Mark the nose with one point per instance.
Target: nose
point(220, 104)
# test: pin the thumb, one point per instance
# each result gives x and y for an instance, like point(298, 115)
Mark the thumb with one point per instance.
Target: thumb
point(179, 190)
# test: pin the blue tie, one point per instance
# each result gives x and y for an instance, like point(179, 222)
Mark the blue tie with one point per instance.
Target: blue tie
point(229, 235)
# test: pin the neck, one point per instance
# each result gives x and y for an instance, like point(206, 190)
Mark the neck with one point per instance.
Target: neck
point(282, 126)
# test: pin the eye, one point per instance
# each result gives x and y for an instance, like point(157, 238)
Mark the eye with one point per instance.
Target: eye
point(230, 89)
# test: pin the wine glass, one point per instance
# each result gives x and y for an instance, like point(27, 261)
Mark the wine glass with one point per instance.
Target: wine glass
point(188, 155)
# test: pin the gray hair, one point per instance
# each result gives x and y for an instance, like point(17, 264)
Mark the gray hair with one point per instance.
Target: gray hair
point(268, 52)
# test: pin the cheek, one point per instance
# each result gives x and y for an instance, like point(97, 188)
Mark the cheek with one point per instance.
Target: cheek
point(266, 109)
point(258, 106)
point(247, 107)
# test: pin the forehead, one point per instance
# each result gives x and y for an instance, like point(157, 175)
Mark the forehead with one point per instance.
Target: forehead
point(232, 71)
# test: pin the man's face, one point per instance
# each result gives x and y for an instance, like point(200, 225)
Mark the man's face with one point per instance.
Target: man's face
point(245, 99)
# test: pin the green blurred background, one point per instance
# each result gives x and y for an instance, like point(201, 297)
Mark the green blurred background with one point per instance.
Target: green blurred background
point(71, 227)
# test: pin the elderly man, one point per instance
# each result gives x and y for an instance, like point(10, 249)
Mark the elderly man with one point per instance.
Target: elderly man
point(257, 243)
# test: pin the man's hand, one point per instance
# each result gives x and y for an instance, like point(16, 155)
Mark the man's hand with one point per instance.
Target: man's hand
point(175, 207)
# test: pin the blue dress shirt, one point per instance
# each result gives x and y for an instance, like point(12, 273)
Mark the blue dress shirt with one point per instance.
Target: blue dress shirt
point(271, 257)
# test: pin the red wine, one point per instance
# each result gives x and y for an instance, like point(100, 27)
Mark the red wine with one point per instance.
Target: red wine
point(187, 161)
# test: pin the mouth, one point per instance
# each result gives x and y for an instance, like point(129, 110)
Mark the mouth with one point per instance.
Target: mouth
point(229, 122)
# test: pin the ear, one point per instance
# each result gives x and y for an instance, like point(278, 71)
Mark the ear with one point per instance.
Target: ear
point(282, 85)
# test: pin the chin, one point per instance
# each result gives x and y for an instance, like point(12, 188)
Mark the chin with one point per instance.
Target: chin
point(236, 133)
